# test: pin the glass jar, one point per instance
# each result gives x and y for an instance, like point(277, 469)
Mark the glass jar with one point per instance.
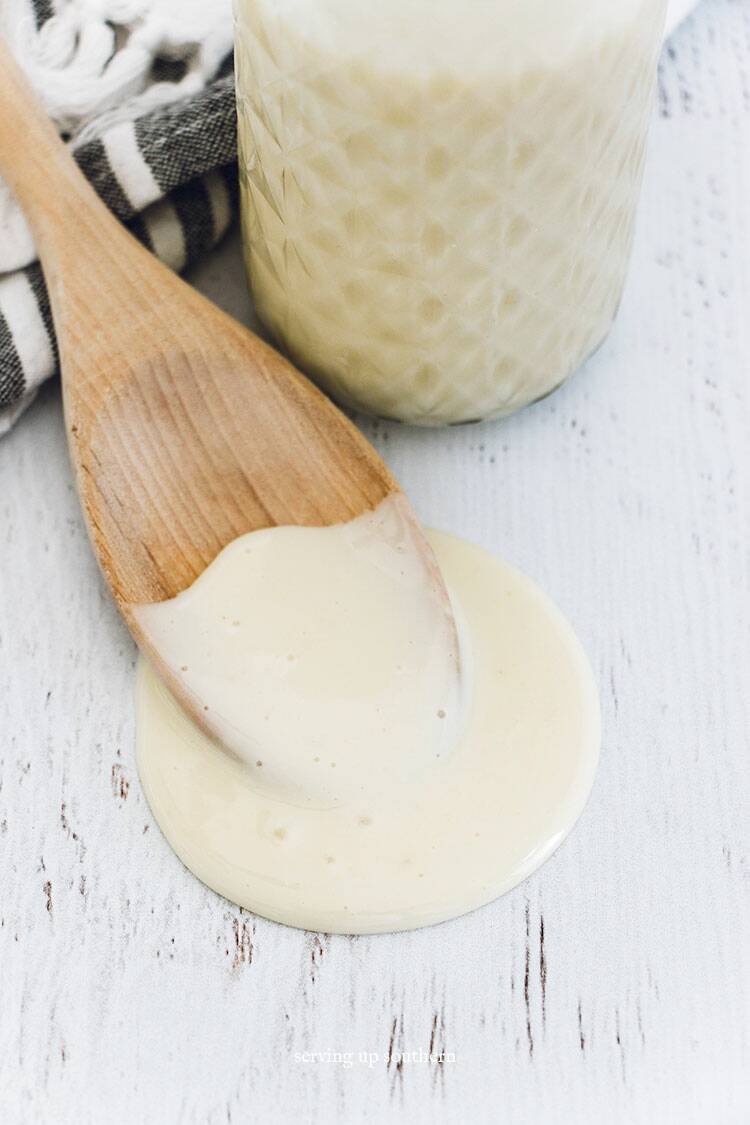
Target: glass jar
point(438, 195)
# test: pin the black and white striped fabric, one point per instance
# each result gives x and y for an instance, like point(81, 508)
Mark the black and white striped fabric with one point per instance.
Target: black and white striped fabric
point(169, 174)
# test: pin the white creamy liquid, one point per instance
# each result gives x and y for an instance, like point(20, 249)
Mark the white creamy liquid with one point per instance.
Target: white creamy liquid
point(326, 660)
point(394, 847)
point(438, 196)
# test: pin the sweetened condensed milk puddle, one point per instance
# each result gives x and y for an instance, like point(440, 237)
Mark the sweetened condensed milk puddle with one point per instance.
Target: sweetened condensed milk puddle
point(356, 796)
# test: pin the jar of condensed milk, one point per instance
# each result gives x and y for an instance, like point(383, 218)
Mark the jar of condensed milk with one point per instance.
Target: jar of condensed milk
point(438, 195)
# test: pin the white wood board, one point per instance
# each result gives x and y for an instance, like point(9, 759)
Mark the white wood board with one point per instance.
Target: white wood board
point(614, 985)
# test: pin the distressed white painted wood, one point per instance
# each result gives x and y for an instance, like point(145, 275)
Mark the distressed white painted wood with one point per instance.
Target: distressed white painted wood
point(615, 984)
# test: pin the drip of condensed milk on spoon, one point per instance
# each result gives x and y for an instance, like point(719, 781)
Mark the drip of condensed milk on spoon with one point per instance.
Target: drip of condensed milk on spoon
point(327, 661)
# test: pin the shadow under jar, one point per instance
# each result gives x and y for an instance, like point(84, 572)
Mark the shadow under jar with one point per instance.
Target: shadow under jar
point(438, 196)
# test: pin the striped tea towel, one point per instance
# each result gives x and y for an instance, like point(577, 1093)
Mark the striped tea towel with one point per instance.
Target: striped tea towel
point(143, 92)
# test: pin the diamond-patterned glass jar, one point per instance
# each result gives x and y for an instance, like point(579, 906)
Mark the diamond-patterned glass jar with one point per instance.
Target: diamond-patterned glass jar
point(438, 195)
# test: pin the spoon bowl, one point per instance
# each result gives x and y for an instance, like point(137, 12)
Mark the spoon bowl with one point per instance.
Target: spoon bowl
point(185, 429)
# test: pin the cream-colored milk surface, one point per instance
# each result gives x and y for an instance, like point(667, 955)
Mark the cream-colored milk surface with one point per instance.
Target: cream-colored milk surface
point(402, 847)
point(326, 660)
point(438, 196)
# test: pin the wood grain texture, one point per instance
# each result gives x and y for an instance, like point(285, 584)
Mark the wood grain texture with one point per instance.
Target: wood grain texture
point(614, 985)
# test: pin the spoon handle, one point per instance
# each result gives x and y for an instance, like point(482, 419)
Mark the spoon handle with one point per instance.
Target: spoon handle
point(89, 258)
point(32, 155)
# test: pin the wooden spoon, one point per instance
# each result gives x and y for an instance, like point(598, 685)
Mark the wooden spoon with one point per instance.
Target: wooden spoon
point(185, 429)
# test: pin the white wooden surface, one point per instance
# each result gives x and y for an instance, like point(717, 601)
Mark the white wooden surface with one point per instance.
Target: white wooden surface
point(614, 985)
